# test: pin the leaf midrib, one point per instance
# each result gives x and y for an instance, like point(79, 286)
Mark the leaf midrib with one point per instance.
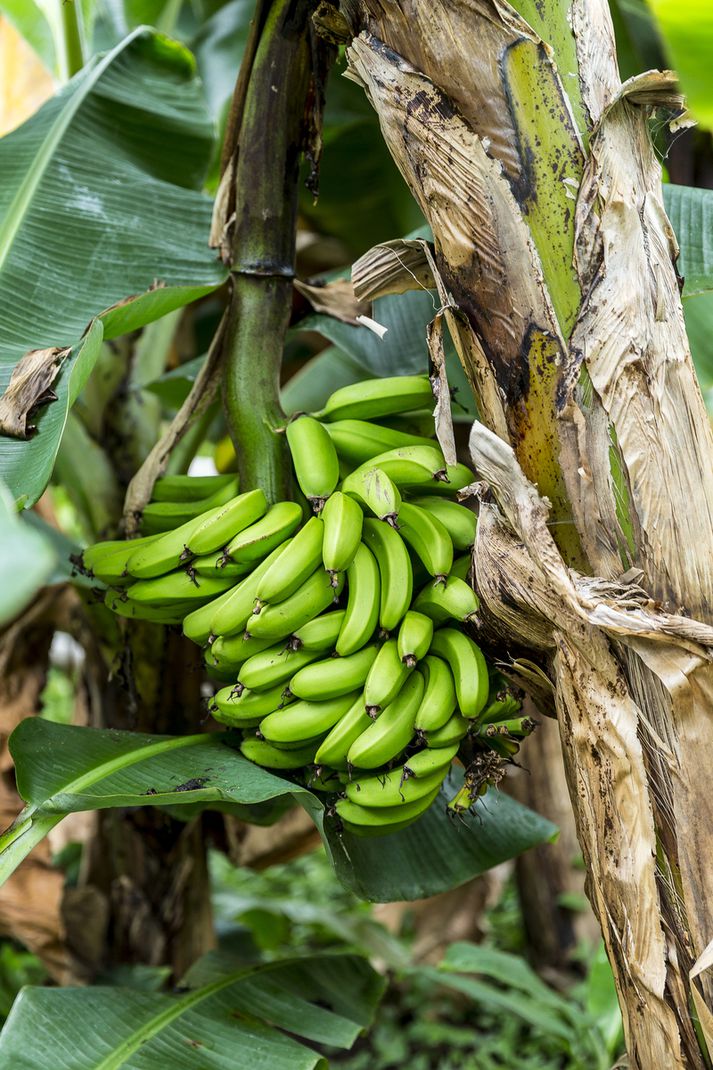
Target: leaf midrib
point(37, 169)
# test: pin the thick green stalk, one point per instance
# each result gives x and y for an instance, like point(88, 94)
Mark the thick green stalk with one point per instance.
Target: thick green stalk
point(70, 46)
point(263, 244)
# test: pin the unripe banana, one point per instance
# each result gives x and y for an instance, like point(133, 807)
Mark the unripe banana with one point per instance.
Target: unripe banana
point(263, 753)
point(304, 720)
point(216, 564)
point(500, 709)
point(452, 600)
point(118, 603)
point(410, 466)
point(162, 554)
point(107, 561)
point(460, 522)
point(178, 587)
point(255, 542)
point(219, 528)
point(363, 599)
point(165, 515)
point(320, 633)
point(343, 520)
point(387, 676)
point(515, 726)
point(272, 666)
point(378, 397)
point(358, 441)
point(374, 491)
point(395, 572)
point(453, 731)
point(370, 820)
point(462, 567)
point(400, 785)
point(314, 459)
point(326, 781)
point(470, 671)
point(182, 488)
point(235, 650)
point(414, 638)
point(299, 558)
point(231, 612)
point(334, 749)
point(333, 676)
point(439, 697)
point(284, 618)
point(457, 476)
point(427, 537)
point(236, 705)
point(392, 731)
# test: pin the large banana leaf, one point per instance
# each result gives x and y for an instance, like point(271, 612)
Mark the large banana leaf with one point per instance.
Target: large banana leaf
point(224, 1014)
point(691, 214)
point(100, 202)
point(63, 768)
point(27, 559)
point(686, 29)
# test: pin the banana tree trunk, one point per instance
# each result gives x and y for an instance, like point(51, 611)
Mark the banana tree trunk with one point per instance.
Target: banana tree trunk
point(555, 266)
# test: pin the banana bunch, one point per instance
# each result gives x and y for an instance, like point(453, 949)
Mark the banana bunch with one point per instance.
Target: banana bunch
point(340, 636)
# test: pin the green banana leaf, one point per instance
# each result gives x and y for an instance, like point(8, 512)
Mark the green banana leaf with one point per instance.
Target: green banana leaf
point(691, 214)
point(27, 560)
point(100, 203)
point(686, 29)
point(225, 1013)
point(61, 769)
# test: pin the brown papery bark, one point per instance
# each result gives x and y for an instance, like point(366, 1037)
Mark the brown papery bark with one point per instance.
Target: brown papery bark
point(554, 262)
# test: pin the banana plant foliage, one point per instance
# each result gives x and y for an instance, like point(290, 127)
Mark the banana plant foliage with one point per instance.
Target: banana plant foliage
point(100, 206)
point(63, 769)
point(27, 560)
point(265, 1015)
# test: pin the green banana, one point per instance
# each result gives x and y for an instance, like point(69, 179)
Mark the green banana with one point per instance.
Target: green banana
point(255, 542)
point(343, 521)
point(334, 748)
point(263, 753)
point(378, 397)
point(314, 459)
point(375, 491)
point(457, 476)
point(107, 561)
point(396, 787)
point(157, 517)
point(326, 780)
point(304, 720)
point(439, 697)
point(118, 603)
point(236, 705)
point(362, 613)
point(395, 572)
point(470, 671)
point(460, 522)
point(462, 567)
point(283, 618)
point(387, 676)
point(410, 466)
point(427, 537)
point(499, 709)
point(333, 676)
point(274, 665)
point(219, 527)
point(216, 565)
point(232, 612)
point(163, 553)
point(515, 726)
point(385, 819)
point(320, 633)
point(234, 650)
point(392, 730)
point(453, 731)
point(453, 600)
point(359, 440)
point(299, 558)
point(189, 488)
point(177, 587)
point(414, 638)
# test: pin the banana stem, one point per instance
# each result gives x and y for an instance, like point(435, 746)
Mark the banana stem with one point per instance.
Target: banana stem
point(271, 138)
point(70, 44)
